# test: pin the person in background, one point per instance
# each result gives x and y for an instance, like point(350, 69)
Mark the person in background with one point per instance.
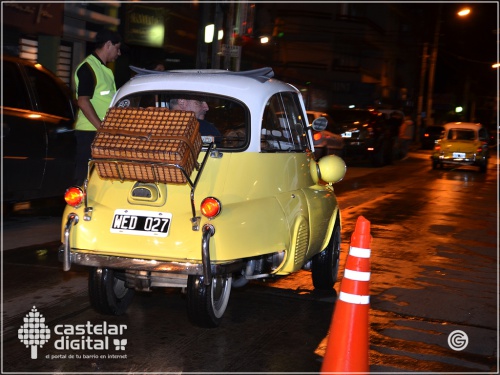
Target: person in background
point(405, 136)
point(391, 133)
point(95, 87)
point(156, 65)
point(200, 108)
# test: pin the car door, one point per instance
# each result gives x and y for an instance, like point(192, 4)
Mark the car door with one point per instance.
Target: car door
point(54, 104)
point(23, 136)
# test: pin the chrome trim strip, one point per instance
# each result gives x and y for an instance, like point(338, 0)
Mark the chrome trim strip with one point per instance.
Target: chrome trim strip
point(186, 268)
point(72, 220)
point(208, 231)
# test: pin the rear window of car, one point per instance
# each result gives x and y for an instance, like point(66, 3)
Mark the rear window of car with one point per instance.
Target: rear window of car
point(231, 118)
point(462, 134)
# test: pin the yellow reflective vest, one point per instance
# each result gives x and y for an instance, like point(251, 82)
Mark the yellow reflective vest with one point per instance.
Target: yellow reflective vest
point(104, 91)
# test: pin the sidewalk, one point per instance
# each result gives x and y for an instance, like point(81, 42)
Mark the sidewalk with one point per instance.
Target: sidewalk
point(27, 231)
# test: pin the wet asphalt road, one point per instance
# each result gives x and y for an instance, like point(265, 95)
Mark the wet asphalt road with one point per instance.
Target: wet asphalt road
point(434, 271)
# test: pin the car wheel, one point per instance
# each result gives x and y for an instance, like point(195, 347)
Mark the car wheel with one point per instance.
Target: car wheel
point(325, 265)
point(108, 294)
point(206, 304)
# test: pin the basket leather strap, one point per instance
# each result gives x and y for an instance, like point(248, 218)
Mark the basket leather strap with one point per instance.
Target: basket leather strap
point(148, 136)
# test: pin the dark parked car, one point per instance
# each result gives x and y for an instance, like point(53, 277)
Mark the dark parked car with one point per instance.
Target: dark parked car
point(430, 135)
point(37, 132)
point(325, 142)
point(363, 133)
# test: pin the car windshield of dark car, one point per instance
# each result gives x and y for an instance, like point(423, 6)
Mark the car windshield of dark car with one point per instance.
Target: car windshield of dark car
point(227, 119)
point(462, 134)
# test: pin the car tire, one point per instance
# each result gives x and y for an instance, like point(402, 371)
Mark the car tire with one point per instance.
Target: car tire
point(325, 265)
point(108, 293)
point(206, 304)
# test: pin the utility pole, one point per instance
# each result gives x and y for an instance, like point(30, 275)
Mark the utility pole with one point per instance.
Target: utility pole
point(420, 103)
point(432, 67)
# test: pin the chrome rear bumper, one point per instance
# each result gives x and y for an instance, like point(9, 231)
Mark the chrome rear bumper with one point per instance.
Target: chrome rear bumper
point(204, 267)
point(115, 262)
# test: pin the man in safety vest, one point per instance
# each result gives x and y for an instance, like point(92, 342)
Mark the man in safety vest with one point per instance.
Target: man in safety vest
point(95, 87)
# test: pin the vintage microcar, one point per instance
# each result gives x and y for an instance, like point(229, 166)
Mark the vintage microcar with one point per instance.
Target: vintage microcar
point(170, 202)
point(462, 143)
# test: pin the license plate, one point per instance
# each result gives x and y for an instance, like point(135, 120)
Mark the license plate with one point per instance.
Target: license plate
point(347, 135)
point(141, 223)
point(459, 155)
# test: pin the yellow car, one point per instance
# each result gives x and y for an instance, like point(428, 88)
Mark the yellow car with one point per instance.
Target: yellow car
point(203, 200)
point(462, 143)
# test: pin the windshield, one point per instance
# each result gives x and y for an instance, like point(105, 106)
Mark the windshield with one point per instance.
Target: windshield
point(223, 120)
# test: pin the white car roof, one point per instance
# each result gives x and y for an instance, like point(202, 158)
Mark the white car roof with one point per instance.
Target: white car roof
point(251, 87)
point(462, 125)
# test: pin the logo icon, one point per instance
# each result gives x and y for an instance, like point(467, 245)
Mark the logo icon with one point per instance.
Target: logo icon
point(458, 340)
point(34, 333)
point(120, 344)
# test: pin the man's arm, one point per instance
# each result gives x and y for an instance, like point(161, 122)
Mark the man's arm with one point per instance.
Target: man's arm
point(88, 110)
point(85, 91)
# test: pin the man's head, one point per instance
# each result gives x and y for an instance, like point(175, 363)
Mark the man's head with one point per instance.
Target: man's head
point(199, 107)
point(108, 44)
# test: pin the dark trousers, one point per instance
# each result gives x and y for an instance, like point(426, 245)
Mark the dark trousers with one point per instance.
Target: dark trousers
point(84, 140)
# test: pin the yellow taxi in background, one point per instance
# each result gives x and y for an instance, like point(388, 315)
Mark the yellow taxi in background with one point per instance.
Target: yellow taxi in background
point(242, 197)
point(462, 143)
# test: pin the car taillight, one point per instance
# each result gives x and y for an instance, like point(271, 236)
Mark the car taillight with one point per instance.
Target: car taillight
point(437, 147)
point(210, 207)
point(74, 196)
point(317, 136)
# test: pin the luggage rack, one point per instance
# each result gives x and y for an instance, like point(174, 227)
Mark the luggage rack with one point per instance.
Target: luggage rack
point(262, 74)
point(195, 220)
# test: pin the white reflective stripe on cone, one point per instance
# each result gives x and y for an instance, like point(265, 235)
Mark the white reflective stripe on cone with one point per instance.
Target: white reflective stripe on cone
point(356, 275)
point(359, 252)
point(354, 298)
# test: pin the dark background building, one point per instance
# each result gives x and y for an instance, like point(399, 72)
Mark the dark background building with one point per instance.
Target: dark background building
point(338, 54)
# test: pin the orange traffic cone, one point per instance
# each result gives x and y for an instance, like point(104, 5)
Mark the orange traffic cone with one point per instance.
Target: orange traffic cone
point(347, 346)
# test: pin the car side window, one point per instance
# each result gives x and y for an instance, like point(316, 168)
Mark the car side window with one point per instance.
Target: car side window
point(16, 93)
point(51, 98)
point(283, 126)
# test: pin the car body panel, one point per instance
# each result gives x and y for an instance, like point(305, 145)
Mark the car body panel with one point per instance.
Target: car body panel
point(253, 221)
point(363, 132)
point(37, 132)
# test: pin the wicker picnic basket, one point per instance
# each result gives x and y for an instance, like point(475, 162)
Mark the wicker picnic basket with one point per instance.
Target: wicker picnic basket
point(147, 145)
